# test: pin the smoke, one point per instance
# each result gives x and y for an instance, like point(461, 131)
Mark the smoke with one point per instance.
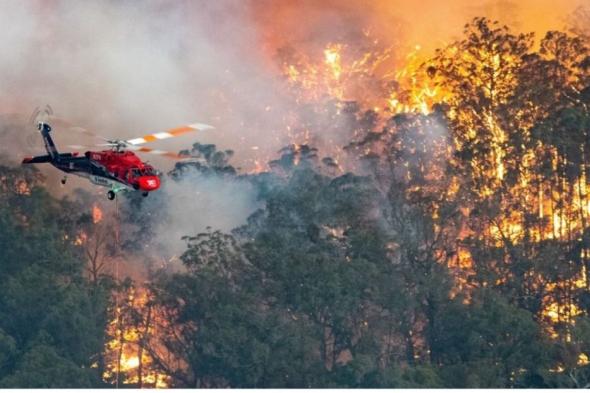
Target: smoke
point(195, 202)
point(124, 68)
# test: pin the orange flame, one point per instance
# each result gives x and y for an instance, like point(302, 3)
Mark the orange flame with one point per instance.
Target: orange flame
point(96, 214)
point(126, 351)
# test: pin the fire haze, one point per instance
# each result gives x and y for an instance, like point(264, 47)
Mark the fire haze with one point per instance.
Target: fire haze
point(124, 69)
point(429, 23)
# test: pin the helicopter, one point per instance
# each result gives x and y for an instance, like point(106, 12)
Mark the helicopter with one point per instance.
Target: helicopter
point(117, 167)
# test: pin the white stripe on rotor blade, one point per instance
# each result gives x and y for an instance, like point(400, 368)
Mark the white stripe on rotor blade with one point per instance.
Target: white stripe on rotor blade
point(200, 126)
point(163, 135)
point(136, 141)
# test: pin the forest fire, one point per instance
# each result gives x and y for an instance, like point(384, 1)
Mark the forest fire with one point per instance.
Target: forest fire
point(371, 77)
point(127, 356)
point(425, 224)
point(421, 83)
point(344, 73)
point(96, 214)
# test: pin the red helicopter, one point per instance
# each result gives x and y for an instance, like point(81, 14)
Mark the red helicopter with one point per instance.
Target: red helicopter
point(117, 167)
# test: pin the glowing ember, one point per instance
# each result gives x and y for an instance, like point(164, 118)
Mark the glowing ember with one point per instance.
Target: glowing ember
point(96, 214)
point(129, 363)
point(81, 238)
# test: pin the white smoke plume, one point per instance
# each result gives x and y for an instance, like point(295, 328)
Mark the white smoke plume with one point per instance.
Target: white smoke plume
point(124, 68)
point(197, 202)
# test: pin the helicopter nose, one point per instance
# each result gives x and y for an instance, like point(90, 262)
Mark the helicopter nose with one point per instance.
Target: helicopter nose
point(149, 183)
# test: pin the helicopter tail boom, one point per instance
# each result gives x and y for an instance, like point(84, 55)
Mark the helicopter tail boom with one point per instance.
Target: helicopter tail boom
point(45, 129)
point(37, 159)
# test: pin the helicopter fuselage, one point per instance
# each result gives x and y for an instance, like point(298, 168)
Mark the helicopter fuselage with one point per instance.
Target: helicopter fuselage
point(117, 169)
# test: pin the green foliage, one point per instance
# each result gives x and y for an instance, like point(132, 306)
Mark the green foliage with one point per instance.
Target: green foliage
point(226, 335)
point(205, 159)
point(490, 343)
point(42, 367)
point(50, 322)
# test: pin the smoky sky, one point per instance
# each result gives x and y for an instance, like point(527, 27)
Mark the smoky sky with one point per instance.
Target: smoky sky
point(126, 68)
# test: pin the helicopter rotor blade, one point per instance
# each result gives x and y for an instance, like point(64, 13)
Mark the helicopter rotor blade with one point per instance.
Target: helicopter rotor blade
point(46, 114)
point(141, 149)
point(80, 147)
point(59, 122)
point(162, 153)
point(171, 133)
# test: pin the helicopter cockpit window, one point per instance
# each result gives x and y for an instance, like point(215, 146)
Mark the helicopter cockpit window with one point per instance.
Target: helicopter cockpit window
point(148, 171)
point(135, 172)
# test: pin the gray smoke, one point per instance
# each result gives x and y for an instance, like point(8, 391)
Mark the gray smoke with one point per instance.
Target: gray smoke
point(125, 69)
point(196, 202)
